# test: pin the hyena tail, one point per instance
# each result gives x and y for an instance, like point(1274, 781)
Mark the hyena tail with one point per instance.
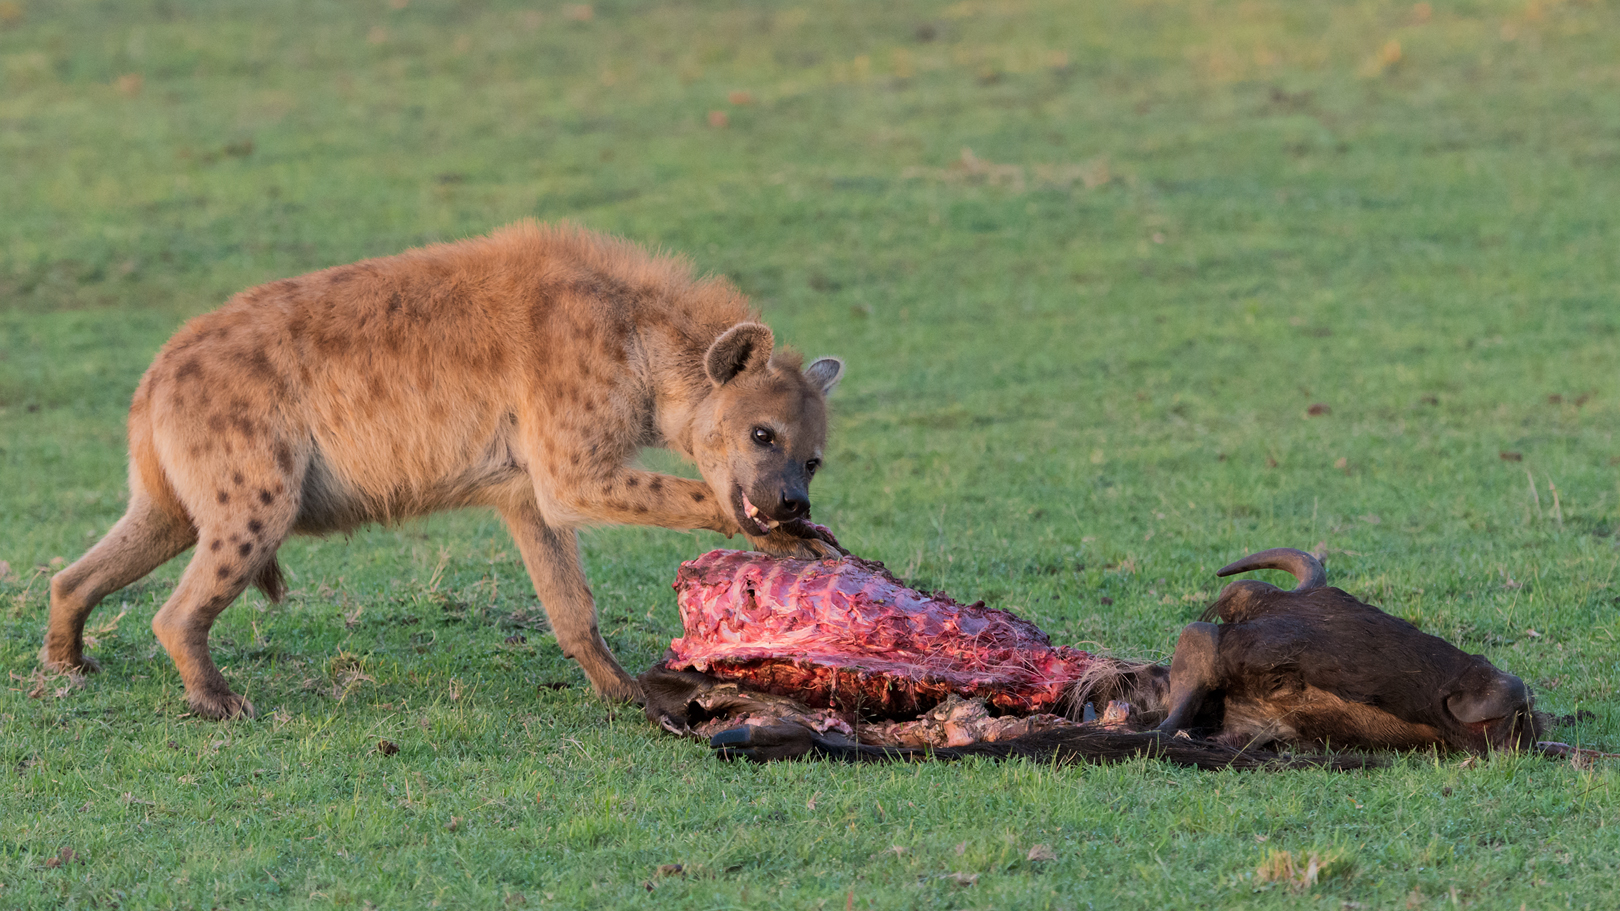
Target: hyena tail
point(270, 582)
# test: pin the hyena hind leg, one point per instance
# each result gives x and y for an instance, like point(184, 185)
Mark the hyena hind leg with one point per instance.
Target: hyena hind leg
point(228, 558)
point(144, 539)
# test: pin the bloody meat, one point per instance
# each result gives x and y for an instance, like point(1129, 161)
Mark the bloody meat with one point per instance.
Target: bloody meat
point(837, 658)
point(846, 634)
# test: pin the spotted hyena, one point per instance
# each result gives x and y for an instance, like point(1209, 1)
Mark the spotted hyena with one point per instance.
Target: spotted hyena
point(521, 371)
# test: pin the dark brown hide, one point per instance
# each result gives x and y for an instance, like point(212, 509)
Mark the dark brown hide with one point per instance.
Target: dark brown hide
point(1315, 665)
point(1312, 666)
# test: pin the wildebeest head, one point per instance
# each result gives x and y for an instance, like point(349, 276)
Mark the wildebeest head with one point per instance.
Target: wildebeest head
point(1495, 708)
point(1330, 668)
point(758, 436)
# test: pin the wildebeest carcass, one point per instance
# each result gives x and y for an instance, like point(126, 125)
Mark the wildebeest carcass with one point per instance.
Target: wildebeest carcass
point(837, 658)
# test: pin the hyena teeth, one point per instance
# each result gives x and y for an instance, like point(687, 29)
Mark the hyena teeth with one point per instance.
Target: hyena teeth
point(761, 524)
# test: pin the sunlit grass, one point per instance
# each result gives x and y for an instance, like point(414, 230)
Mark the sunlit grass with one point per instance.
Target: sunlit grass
point(1093, 267)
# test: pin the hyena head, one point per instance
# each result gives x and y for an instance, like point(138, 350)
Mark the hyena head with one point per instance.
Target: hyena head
point(758, 436)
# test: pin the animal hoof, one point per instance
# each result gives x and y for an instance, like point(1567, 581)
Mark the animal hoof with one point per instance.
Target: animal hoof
point(763, 744)
point(222, 706)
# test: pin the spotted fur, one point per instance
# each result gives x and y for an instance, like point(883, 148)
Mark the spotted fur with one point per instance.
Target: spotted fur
point(521, 371)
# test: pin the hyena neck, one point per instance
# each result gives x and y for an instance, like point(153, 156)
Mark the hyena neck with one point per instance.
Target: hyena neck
point(678, 386)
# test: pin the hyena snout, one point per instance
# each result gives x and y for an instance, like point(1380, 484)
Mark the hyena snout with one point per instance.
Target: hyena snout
point(776, 506)
point(795, 504)
point(777, 495)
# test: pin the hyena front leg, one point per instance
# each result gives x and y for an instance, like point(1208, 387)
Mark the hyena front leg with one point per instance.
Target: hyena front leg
point(551, 555)
point(632, 497)
point(144, 539)
point(627, 496)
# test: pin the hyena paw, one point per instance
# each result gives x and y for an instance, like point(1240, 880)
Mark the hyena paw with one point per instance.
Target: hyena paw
point(220, 705)
point(68, 664)
point(781, 543)
point(625, 690)
point(822, 549)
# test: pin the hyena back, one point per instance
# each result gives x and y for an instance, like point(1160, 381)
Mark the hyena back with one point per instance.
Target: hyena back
point(521, 371)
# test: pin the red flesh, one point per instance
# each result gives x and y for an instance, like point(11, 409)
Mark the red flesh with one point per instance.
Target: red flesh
point(846, 634)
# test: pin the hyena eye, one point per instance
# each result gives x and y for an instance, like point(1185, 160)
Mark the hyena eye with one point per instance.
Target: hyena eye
point(763, 436)
point(812, 465)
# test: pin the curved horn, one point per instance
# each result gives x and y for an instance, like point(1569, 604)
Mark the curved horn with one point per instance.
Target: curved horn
point(1306, 568)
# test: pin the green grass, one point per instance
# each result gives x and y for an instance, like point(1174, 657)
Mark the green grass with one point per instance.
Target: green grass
point(1081, 358)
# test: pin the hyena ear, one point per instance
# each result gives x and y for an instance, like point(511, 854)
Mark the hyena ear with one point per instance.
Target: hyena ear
point(743, 347)
point(825, 372)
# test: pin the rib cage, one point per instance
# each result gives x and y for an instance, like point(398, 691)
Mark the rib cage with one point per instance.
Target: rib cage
point(847, 634)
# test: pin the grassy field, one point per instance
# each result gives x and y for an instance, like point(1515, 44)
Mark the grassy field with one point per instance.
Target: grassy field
point(1127, 290)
